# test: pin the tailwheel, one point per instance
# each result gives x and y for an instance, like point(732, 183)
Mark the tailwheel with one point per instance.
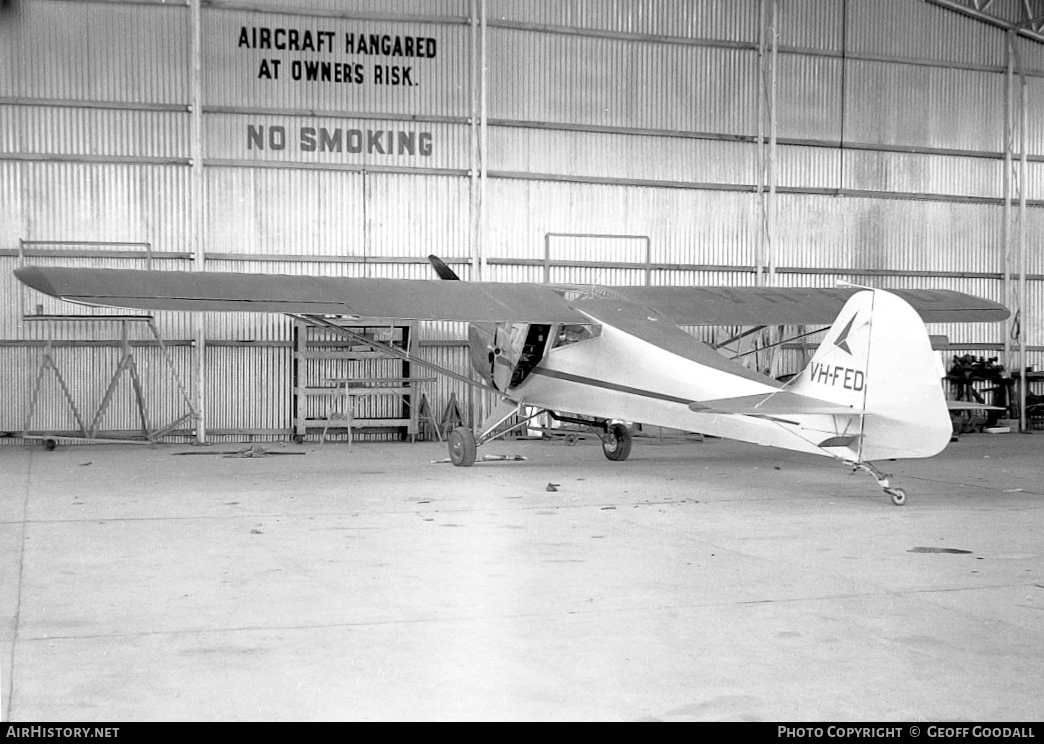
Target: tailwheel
point(898, 495)
point(462, 447)
point(616, 442)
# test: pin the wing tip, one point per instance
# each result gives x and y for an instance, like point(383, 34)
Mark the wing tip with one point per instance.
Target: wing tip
point(36, 278)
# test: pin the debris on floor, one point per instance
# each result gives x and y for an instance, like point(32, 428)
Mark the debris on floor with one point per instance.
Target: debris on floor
point(251, 451)
point(485, 458)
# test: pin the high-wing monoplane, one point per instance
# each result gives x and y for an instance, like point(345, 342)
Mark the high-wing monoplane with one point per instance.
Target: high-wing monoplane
point(607, 357)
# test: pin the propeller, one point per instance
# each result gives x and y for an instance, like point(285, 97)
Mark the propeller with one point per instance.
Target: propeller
point(444, 271)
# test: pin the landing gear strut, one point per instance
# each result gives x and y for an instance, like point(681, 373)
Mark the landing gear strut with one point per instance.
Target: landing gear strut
point(898, 495)
point(463, 444)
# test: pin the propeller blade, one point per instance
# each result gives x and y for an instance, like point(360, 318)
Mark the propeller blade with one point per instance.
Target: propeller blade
point(444, 271)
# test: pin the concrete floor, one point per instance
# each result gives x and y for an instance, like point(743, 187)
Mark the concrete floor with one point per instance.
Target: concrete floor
point(696, 581)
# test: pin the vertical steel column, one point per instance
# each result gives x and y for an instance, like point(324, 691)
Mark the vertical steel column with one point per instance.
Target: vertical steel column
point(765, 260)
point(547, 259)
point(772, 207)
point(366, 249)
point(759, 161)
point(197, 216)
point(648, 262)
point(1023, 305)
point(476, 412)
point(483, 145)
point(1015, 179)
point(473, 171)
point(1009, 77)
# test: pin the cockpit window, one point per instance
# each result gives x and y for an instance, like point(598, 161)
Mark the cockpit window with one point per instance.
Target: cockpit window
point(574, 333)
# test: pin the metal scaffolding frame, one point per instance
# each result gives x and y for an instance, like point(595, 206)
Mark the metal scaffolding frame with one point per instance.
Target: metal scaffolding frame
point(92, 433)
point(1028, 21)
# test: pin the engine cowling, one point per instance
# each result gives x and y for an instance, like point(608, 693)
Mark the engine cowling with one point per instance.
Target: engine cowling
point(504, 354)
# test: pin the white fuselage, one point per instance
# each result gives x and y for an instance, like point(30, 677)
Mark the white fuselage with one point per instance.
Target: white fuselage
point(872, 389)
point(620, 376)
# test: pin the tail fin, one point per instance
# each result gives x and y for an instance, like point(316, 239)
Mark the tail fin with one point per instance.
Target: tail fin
point(877, 358)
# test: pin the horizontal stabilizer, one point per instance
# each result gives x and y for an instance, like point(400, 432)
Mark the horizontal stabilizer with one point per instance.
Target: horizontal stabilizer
point(967, 405)
point(774, 404)
point(842, 441)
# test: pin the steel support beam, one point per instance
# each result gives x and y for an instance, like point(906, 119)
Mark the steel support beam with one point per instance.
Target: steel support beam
point(1030, 25)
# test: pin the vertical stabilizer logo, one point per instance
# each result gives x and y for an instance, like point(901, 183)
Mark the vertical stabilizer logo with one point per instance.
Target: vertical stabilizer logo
point(836, 375)
point(841, 341)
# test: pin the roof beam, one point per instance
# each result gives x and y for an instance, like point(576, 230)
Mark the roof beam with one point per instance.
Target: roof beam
point(1029, 27)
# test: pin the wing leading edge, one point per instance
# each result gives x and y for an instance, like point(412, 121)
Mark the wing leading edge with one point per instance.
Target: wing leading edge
point(418, 299)
point(753, 306)
point(279, 293)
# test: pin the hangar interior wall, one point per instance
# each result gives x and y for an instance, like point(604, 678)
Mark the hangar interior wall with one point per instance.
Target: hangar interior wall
point(579, 140)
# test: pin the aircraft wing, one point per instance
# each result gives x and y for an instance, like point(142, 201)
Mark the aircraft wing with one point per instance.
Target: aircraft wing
point(470, 301)
point(967, 405)
point(755, 306)
point(305, 295)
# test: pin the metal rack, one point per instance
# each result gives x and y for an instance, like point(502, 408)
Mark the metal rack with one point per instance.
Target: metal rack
point(342, 383)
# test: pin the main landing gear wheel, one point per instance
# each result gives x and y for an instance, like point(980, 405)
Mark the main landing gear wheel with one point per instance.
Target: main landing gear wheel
point(898, 495)
point(462, 447)
point(616, 443)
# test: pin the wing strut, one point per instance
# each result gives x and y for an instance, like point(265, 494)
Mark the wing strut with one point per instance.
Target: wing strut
point(739, 336)
point(320, 322)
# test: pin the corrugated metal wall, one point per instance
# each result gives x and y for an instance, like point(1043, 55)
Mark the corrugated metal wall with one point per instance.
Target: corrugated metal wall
point(635, 119)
